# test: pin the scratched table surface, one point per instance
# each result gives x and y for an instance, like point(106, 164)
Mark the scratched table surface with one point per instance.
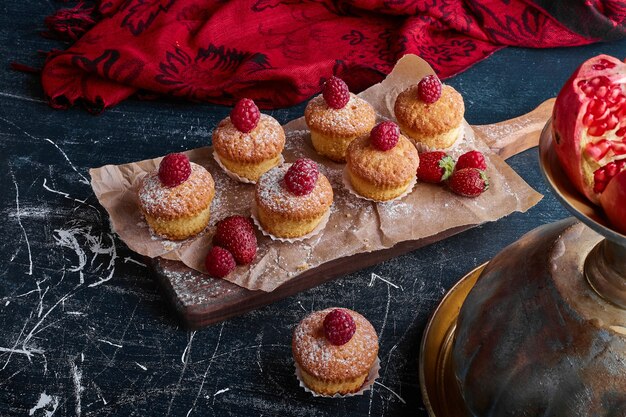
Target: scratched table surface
point(84, 329)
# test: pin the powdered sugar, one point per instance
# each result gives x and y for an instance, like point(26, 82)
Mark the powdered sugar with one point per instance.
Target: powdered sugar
point(355, 118)
point(272, 191)
point(155, 197)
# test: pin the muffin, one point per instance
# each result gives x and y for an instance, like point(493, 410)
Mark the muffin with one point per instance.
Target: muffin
point(383, 165)
point(292, 199)
point(247, 142)
point(430, 114)
point(176, 199)
point(335, 350)
point(337, 117)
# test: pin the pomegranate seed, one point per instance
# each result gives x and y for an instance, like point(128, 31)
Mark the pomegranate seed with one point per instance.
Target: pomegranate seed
point(616, 91)
point(588, 90)
point(611, 122)
point(603, 64)
point(621, 131)
point(598, 107)
point(595, 81)
point(597, 129)
point(598, 149)
point(601, 91)
point(619, 148)
point(588, 119)
point(611, 169)
point(599, 187)
point(599, 175)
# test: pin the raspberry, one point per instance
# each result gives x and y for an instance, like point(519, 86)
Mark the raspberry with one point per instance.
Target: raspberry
point(219, 262)
point(385, 135)
point(174, 169)
point(301, 176)
point(245, 115)
point(435, 167)
point(236, 234)
point(339, 327)
point(429, 89)
point(336, 93)
point(472, 159)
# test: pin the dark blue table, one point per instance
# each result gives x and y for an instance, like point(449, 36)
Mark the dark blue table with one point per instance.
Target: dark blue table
point(83, 327)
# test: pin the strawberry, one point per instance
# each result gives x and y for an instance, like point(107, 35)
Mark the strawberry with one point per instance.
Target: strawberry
point(469, 182)
point(472, 159)
point(435, 167)
point(236, 234)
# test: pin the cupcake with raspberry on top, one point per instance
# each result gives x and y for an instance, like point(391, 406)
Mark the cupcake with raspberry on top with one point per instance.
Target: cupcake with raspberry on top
point(337, 117)
point(248, 143)
point(292, 199)
point(382, 165)
point(176, 198)
point(430, 114)
point(335, 350)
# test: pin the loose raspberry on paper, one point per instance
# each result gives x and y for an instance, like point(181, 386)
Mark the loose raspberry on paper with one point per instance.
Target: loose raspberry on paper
point(219, 262)
point(301, 176)
point(336, 93)
point(245, 115)
point(469, 182)
point(174, 169)
point(385, 135)
point(236, 234)
point(339, 327)
point(472, 159)
point(429, 89)
point(435, 167)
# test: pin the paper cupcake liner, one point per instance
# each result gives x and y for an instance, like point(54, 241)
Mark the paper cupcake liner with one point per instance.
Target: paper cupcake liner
point(424, 148)
point(367, 385)
point(348, 186)
point(318, 228)
point(234, 175)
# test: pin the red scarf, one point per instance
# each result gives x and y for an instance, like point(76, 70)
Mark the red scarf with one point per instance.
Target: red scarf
point(278, 52)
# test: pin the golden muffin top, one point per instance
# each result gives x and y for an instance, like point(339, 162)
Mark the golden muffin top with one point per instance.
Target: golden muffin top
point(355, 119)
point(265, 141)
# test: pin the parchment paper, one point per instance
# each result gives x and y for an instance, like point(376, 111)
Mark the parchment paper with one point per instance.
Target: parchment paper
point(355, 225)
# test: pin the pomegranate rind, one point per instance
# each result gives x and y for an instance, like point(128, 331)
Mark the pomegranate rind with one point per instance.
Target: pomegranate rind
point(568, 129)
point(613, 201)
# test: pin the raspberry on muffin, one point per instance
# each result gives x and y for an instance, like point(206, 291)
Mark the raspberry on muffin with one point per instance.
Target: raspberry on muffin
point(337, 117)
point(248, 143)
point(293, 199)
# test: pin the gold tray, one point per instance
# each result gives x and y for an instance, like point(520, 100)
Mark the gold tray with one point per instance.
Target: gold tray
point(440, 391)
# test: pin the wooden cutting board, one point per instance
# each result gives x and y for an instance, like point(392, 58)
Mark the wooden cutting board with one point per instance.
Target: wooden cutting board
point(201, 300)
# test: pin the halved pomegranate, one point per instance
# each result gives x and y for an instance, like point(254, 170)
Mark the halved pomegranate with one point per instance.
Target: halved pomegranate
point(589, 124)
point(613, 201)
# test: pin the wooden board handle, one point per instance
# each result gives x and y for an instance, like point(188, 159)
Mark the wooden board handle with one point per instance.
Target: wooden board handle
point(511, 137)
